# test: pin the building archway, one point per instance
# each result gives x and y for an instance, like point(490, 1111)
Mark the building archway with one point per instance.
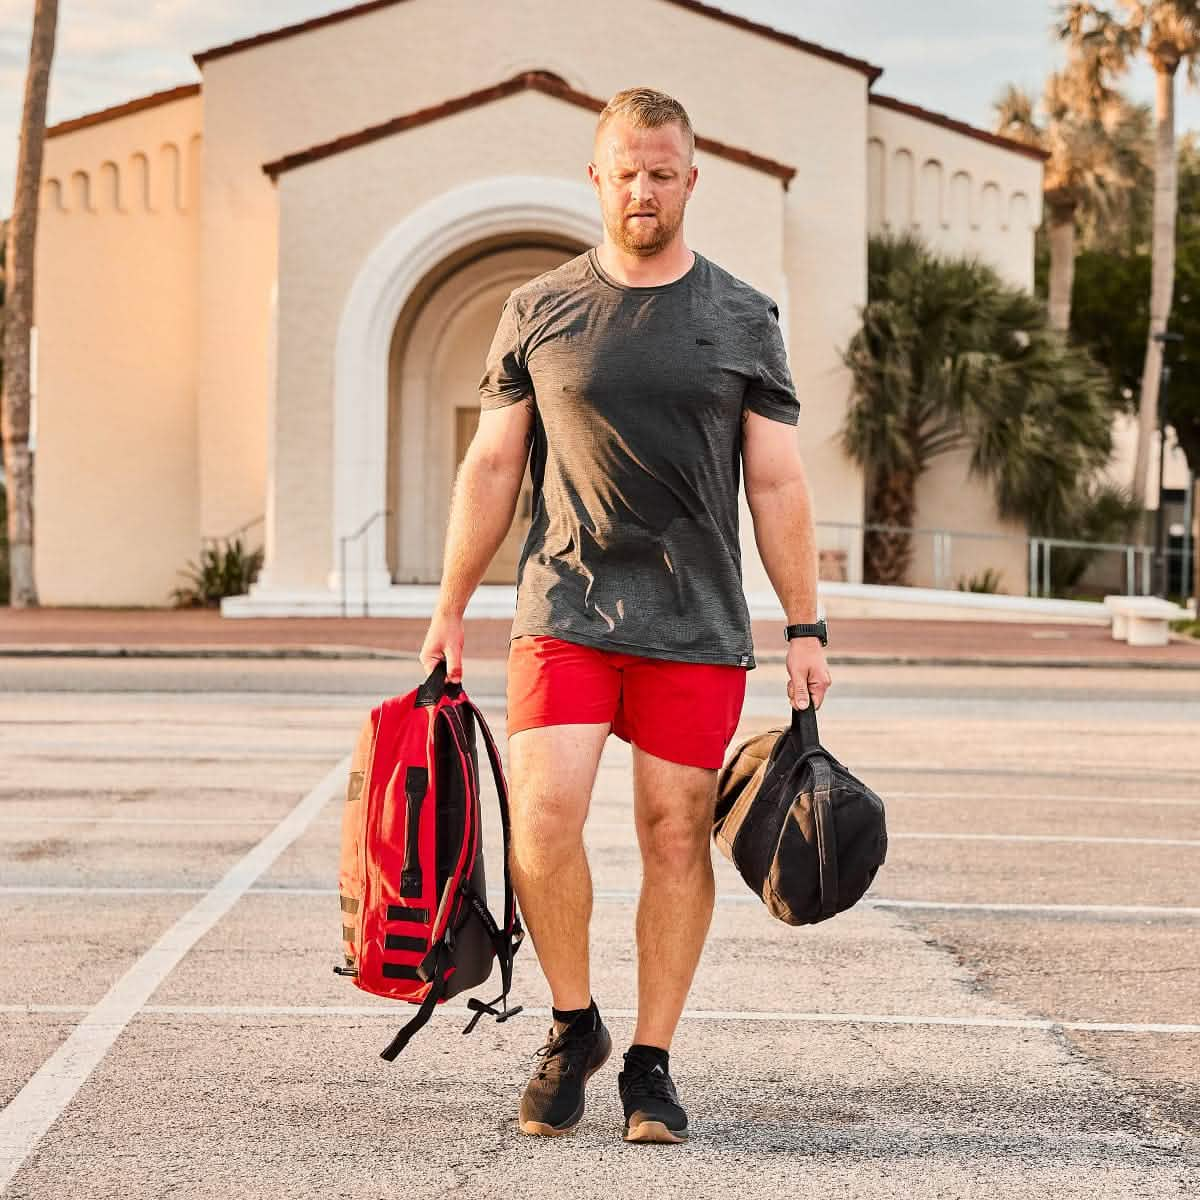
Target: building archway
point(556, 211)
point(437, 356)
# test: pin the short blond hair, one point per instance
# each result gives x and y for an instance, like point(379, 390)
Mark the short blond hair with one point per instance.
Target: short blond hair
point(648, 109)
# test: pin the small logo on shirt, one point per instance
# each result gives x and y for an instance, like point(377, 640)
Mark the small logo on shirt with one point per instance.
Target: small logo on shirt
point(745, 661)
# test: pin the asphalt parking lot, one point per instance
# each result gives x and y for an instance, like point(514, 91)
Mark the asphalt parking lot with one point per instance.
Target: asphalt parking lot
point(1014, 1011)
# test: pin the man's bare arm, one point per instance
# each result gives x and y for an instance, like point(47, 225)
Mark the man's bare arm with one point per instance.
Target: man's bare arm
point(481, 512)
point(780, 502)
point(484, 500)
point(779, 499)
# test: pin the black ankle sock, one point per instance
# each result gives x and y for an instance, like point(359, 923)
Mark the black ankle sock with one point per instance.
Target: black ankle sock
point(650, 1055)
point(568, 1016)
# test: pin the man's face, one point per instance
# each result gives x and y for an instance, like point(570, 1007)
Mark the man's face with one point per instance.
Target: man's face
point(643, 179)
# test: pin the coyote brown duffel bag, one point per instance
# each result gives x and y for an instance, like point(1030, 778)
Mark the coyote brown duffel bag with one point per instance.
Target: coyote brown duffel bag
point(803, 832)
point(415, 920)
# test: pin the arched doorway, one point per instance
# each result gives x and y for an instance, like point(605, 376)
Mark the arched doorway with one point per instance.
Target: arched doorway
point(411, 261)
point(436, 359)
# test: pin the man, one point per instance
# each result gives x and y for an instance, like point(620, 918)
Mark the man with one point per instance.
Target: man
point(639, 372)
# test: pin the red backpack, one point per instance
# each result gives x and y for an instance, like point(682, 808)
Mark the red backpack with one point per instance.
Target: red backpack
point(415, 920)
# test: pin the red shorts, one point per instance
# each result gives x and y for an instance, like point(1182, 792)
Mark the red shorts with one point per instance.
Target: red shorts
point(681, 711)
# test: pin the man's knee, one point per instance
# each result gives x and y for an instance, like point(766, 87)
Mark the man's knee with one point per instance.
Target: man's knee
point(547, 829)
point(675, 840)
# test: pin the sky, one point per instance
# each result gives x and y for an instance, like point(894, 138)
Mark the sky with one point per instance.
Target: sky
point(952, 56)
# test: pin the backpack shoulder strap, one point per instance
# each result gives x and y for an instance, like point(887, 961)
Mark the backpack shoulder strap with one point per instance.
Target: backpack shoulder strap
point(510, 934)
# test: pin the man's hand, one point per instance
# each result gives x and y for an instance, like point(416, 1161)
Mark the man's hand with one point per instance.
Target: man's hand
point(444, 640)
point(808, 676)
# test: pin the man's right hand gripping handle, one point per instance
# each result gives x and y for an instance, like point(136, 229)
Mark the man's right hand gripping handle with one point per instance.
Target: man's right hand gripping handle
point(444, 640)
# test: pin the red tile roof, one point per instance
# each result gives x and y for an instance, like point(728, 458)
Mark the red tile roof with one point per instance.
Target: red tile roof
point(345, 14)
point(121, 110)
point(777, 35)
point(540, 81)
point(945, 122)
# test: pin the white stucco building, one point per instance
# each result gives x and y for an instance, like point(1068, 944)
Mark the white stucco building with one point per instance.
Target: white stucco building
point(267, 297)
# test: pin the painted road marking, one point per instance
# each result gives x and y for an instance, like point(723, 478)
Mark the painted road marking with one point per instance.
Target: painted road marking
point(218, 822)
point(39, 1103)
point(1119, 910)
point(72, 819)
point(388, 1012)
point(1050, 798)
point(1051, 838)
point(747, 897)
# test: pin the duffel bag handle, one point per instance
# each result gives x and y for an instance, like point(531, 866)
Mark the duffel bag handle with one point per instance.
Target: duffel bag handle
point(804, 727)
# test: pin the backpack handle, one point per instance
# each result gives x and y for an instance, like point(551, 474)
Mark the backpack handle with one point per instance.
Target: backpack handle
point(435, 687)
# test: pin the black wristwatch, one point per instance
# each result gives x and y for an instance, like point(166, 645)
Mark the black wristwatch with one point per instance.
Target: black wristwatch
point(818, 631)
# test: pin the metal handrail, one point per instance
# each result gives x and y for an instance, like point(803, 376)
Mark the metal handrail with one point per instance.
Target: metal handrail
point(350, 537)
point(1040, 549)
point(234, 533)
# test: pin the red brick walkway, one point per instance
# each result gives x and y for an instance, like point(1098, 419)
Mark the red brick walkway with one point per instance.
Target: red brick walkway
point(180, 629)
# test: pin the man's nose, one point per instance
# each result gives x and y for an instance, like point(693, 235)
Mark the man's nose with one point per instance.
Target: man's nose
point(642, 186)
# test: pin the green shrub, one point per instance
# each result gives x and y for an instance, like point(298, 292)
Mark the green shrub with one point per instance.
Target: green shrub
point(225, 569)
point(987, 581)
point(1099, 512)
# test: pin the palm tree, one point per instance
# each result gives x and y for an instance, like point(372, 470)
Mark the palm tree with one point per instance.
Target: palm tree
point(1098, 147)
point(950, 355)
point(19, 257)
point(1168, 32)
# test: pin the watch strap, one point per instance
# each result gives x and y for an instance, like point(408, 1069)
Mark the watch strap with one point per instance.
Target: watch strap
point(817, 629)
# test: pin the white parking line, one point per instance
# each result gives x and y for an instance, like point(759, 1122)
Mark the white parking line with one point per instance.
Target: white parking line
point(79, 819)
point(1051, 798)
point(38, 1104)
point(68, 889)
point(1116, 910)
point(696, 1014)
point(1048, 838)
point(630, 895)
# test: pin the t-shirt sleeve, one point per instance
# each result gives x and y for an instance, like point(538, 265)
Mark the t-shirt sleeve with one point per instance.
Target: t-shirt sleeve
point(771, 393)
point(505, 378)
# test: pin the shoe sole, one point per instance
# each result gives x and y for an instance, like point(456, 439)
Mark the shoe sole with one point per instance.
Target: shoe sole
point(541, 1129)
point(654, 1131)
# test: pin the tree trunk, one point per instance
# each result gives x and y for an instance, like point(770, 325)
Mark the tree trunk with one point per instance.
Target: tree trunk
point(1162, 273)
point(1062, 264)
point(1196, 545)
point(887, 556)
point(21, 241)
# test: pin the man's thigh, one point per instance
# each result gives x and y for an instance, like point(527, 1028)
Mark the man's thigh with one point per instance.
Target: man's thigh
point(561, 700)
point(671, 799)
point(552, 770)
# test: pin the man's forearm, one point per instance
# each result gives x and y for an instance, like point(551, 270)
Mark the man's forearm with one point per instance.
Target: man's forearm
point(783, 529)
point(481, 513)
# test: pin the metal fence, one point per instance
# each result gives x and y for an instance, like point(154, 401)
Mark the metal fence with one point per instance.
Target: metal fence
point(1020, 565)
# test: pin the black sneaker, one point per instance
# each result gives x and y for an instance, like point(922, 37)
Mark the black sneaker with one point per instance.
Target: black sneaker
point(652, 1110)
point(552, 1103)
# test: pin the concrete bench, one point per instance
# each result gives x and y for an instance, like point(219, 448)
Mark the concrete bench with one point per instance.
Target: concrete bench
point(1142, 620)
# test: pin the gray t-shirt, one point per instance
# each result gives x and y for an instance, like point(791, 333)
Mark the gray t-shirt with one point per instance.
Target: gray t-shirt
point(638, 400)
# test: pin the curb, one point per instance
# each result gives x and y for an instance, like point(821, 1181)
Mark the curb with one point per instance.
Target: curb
point(262, 652)
point(367, 653)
